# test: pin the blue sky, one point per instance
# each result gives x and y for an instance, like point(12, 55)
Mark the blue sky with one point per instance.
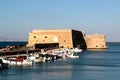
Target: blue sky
point(19, 17)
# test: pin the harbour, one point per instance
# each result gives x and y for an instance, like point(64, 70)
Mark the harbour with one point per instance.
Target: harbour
point(91, 65)
point(59, 40)
point(23, 56)
point(28, 57)
point(44, 45)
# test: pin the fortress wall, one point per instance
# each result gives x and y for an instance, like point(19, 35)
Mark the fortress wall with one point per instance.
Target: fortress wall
point(66, 38)
point(63, 37)
point(95, 41)
point(78, 39)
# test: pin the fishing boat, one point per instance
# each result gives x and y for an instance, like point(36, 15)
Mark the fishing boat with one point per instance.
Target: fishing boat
point(20, 60)
point(77, 50)
point(71, 55)
point(36, 59)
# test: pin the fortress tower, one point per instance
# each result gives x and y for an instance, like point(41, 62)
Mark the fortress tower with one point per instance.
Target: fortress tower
point(95, 41)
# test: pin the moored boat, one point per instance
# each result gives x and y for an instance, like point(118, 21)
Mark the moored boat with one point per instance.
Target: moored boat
point(71, 54)
point(18, 61)
point(77, 50)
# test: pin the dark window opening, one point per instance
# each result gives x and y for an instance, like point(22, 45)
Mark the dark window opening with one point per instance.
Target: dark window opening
point(96, 45)
point(47, 46)
point(45, 36)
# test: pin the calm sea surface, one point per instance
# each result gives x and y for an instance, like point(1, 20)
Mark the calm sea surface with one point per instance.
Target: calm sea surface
point(4, 44)
point(91, 65)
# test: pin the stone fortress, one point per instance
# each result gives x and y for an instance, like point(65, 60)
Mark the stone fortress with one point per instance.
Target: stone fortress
point(66, 39)
point(95, 41)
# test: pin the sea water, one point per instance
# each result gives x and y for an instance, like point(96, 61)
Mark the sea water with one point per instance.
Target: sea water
point(91, 65)
point(13, 43)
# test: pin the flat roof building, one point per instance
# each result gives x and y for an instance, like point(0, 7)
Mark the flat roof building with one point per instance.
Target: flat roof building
point(56, 38)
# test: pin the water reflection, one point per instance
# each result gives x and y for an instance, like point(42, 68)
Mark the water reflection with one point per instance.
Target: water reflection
point(89, 65)
point(57, 72)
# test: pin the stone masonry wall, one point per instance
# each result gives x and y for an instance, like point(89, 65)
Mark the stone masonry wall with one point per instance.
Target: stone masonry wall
point(63, 37)
point(66, 38)
point(95, 41)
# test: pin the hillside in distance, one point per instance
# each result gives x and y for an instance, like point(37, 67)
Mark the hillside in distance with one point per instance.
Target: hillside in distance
point(12, 39)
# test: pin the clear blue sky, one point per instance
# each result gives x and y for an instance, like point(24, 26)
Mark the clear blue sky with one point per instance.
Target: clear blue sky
point(19, 17)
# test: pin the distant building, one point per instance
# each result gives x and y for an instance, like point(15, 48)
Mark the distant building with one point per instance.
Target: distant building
point(95, 41)
point(56, 38)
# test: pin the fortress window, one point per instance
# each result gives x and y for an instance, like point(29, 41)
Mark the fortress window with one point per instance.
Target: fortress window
point(45, 36)
point(96, 46)
point(34, 36)
point(61, 46)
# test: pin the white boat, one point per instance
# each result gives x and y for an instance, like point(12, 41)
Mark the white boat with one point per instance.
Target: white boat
point(37, 59)
point(18, 61)
point(77, 50)
point(67, 53)
point(71, 55)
